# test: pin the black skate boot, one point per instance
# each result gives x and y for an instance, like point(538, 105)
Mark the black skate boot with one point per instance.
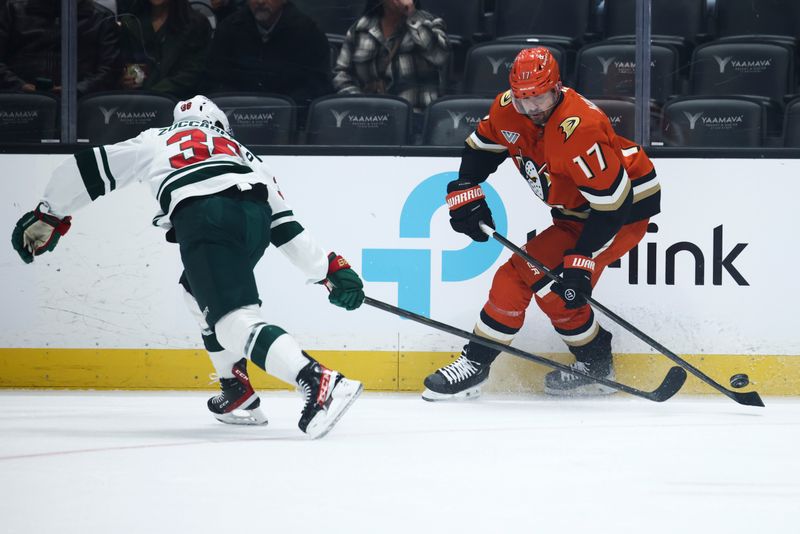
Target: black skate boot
point(328, 394)
point(463, 378)
point(593, 358)
point(238, 403)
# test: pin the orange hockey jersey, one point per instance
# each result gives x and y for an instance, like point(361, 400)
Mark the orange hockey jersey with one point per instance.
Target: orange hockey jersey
point(576, 163)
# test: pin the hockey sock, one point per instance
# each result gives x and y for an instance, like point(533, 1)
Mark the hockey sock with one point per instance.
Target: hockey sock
point(597, 350)
point(278, 353)
point(223, 362)
point(479, 353)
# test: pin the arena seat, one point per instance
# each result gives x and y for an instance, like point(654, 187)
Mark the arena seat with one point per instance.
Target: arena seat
point(258, 118)
point(791, 124)
point(685, 19)
point(764, 17)
point(742, 68)
point(488, 64)
point(566, 18)
point(358, 120)
point(464, 18)
point(607, 69)
point(714, 122)
point(118, 115)
point(28, 118)
point(450, 120)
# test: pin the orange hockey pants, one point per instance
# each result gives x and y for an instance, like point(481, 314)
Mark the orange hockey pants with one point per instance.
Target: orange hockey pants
point(516, 281)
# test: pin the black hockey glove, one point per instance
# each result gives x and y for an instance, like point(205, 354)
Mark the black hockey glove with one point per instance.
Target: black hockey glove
point(346, 288)
point(576, 283)
point(38, 232)
point(468, 208)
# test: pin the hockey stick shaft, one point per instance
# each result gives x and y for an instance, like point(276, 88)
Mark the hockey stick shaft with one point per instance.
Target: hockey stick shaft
point(750, 398)
point(671, 384)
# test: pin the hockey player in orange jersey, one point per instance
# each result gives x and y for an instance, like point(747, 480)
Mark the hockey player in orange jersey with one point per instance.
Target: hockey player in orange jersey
point(602, 190)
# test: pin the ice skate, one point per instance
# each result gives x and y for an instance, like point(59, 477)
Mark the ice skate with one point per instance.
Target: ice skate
point(565, 384)
point(328, 395)
point(595, 359)
point(237, 403)
point(462, 379)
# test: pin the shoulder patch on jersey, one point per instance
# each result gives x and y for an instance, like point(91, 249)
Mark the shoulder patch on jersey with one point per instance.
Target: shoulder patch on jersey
point(511, 137)
point(505, 99)
point(569, 125)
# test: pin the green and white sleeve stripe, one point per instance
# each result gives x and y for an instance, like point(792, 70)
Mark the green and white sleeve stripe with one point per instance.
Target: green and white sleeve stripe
point(95, 172)
point(283, 228)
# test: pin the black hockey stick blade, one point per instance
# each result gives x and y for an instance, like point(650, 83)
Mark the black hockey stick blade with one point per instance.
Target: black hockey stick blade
point(748, 399)
point(671, 384)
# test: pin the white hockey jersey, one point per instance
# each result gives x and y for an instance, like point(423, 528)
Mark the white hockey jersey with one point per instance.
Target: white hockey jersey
point(188, 159)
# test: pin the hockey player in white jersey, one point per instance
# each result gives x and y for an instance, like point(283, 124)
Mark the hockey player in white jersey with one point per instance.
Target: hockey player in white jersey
point(223, 208)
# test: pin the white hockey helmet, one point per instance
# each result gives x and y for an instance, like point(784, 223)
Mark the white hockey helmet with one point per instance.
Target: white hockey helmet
point(201, 108)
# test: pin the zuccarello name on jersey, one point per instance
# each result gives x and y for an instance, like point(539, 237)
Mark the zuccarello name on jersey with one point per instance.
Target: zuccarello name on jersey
point(194, 124)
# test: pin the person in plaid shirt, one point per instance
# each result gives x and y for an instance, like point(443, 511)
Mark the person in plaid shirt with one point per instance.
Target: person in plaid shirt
point(397, 49)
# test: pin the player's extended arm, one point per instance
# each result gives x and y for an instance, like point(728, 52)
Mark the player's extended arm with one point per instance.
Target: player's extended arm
point(79, 180)
point(302, 250)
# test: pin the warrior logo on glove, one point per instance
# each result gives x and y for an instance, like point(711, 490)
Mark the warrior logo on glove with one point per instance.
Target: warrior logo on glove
point(468, 208)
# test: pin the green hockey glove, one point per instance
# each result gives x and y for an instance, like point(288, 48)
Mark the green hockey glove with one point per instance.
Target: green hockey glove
point(347, 290)
point(38, 232)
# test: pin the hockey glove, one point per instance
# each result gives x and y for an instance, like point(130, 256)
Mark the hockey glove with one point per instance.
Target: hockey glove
point(347, 290)
point(576, 283)
point(37, 232)
point(468, 208)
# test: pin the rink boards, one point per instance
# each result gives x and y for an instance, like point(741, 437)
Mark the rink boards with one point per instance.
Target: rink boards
point(713, 280)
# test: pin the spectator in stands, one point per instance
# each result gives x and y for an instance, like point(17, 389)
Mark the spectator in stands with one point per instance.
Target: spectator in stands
point(30, 46)
point(270, 46)
point(164, 47)
point(394, 48)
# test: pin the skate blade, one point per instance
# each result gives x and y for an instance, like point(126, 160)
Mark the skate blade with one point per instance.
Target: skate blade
point(467, 394)
point(589, 390)
point(252, 417)
point(344, 395)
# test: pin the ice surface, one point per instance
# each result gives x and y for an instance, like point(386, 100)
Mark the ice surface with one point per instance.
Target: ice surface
point(133, 462)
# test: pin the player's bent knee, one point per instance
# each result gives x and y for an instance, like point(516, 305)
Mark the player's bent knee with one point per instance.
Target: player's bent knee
point(235, 329)
point(243, 331)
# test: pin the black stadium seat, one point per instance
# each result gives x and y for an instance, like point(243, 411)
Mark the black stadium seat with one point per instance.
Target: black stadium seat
point(621, 112)
point(607, 69)
point(565, 18)
point(259, 119)
point(714, 122)
point(115, 116)
point(791, 124)
point(464, 18)
point(27, 118)
point(742, 68)
point(358, 120)
point(450, 120)
point(765, 17)
point(671, 18)
point(488, 64)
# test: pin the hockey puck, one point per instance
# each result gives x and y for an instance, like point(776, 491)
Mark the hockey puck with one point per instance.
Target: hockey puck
point(740, 380)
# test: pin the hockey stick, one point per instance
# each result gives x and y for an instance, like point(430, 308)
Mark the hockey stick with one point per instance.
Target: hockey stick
point(669, 387)
point(750, 398)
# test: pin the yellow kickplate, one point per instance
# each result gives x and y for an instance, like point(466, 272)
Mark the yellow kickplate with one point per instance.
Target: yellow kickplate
point(378, 370)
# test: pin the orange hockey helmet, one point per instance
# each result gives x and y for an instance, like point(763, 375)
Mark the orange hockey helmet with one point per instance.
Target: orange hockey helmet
point(534, 72)
point(535, 83)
